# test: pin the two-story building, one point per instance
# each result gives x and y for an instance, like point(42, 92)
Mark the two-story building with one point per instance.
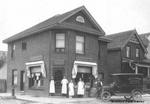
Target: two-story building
point(68, 44)
point(127, 54)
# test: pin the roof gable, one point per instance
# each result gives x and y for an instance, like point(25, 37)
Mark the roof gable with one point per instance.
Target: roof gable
point(81, 18)
point(53, 22)
point(119, 40)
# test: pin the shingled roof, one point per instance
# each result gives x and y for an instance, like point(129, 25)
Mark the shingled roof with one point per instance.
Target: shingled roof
point(119, 40)
point(144, 38)
point(56, 22)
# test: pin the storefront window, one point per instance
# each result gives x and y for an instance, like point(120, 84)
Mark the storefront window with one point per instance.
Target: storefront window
point(36, 79)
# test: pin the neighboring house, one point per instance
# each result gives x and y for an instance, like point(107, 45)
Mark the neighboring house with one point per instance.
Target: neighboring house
point(127, 54)
point(3, 65)
point(69, 44)
point(3, 71)
point(146, 40)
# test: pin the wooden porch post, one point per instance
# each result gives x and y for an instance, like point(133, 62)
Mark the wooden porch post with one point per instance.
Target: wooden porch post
point(136, 69)
point(148, 70)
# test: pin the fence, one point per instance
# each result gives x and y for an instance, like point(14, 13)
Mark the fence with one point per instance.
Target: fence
point(3, 86)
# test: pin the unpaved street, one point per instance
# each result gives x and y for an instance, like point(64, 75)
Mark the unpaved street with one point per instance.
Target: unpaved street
point(120, 100)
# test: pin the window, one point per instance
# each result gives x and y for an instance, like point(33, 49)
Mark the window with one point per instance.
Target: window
point(127, 51)
point(24, 45)
point(80, 19)
point(80, 44)
point(137, 52)
point(13, 47)
point(14, 77)
point(36, 79)
point(60, 42)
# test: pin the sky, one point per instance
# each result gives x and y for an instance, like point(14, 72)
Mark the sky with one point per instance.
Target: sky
point(112, 15)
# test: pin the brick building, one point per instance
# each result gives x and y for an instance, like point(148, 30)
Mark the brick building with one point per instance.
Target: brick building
point(69, 44)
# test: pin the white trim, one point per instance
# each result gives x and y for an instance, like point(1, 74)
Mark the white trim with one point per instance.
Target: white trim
point(136, 69)
point(34, 63)
point(85, 63)
point(148, 66)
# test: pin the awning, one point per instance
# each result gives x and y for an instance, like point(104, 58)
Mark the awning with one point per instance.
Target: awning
point(83, 63)
point(36, 63)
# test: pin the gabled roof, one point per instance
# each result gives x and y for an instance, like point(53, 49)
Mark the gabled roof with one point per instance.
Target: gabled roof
point(56, 21)
point(144, 38)
point(119, 40)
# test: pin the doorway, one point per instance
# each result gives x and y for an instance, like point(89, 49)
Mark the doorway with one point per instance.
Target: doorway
point(22, 80)
point(58, 76)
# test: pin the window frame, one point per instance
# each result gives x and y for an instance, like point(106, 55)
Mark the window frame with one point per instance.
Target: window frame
point(13, 77)
point(12, 47)
point(128, 51)
point(137, 52)
point(60, 49)
point(83, 43)
point(24, 45)
point(32, 83)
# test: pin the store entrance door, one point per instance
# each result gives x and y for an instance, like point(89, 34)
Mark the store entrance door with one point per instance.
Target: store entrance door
point(58, 76)
point(22, 80)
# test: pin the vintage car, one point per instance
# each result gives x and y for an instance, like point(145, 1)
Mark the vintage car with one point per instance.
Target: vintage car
point(129, 85)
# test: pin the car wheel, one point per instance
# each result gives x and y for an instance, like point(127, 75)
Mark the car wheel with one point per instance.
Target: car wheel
point(128, 98)
point(137, 96)
point(105, 96)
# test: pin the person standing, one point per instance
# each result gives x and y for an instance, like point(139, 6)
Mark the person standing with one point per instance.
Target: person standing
point(64, 83)
point(52, 86)
point(71, 89)
point(99, 85)
point(80, 91)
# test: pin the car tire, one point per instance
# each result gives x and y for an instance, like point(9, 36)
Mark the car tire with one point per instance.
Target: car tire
point(105, 96)
point(137, 95)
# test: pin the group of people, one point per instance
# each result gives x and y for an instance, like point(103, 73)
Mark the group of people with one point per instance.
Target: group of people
point(68, 88)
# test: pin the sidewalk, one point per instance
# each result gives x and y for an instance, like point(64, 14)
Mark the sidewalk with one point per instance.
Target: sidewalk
point(53, 100)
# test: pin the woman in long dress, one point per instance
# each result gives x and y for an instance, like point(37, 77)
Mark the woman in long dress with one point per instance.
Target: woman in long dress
point(64, 83)
point(52, 86)
point(80, 91)
point(71, 89)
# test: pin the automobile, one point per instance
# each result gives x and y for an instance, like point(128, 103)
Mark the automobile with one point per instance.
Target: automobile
point(129, 85)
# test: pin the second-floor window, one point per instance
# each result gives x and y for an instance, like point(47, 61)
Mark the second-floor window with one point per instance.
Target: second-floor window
point(127, 51)
point(80, 44)
point(13, 47)
point(24, 45)
point(137, 54)
point(60, 42)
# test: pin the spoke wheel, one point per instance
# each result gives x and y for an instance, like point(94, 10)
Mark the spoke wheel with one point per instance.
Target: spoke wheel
point(128, 98)
point(105, 96)
point(137, 96)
